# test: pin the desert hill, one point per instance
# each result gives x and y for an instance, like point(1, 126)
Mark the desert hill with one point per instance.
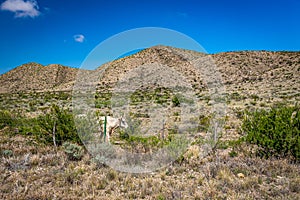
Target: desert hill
point(250, 72)
point(262, 73)
point(267, 73)
point(36, 77)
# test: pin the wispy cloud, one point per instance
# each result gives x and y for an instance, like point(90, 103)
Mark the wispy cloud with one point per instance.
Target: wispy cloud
point(79, 38)
point(22, 8)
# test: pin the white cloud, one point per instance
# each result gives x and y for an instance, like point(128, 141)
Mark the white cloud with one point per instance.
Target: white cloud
point(22, 8)
point(79, 38)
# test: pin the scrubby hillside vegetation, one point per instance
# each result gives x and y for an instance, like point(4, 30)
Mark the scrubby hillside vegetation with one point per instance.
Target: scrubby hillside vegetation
point(256, 156)
point(36, 77)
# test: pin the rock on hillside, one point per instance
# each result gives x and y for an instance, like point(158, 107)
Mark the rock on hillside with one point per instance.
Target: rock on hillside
point(36, 77)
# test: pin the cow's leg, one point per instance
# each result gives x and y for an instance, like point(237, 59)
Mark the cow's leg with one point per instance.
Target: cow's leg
point(108, 135)
point(111, 131)
point(101, 132)
point(102, 137)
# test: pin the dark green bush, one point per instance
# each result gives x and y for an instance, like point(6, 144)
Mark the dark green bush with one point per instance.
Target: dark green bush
point(276, 132)
point(57, 121)
point(6, 119)
point(61, 122)
point(123, 135)
point(175, 101)
point(16, 123)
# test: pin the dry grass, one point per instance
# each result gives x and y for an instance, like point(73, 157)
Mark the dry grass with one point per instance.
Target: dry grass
point(34, 171)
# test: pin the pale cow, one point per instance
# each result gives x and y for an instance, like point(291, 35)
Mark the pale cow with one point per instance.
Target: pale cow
point(111, 125)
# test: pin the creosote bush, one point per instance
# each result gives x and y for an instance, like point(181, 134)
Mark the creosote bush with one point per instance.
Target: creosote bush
point(276, 132)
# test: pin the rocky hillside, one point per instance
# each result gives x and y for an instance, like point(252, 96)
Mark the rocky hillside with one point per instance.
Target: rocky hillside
point(263, 73)
point(36, 77)
point(250, 73)
point(177, 59)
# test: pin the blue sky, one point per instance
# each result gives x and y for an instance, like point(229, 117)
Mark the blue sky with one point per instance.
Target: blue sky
point(65, 31)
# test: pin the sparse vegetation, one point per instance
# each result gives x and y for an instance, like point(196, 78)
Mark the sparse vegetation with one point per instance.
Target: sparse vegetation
point(138, 143)
point(159, 95)
point(33, 168)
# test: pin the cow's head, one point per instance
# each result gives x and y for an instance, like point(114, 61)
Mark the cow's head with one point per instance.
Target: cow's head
point(123, 123)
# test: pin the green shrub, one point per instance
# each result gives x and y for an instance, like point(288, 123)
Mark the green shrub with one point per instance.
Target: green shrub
point(175, 101)
point(6, 119)
point(237, 97)
point(61, 123)
point(73, 151)
point(150, 141)
point(233, 153)
point(7, 153)
point(276, 132)
point(123, 135)
point(204, 123)
point(176, 147)
point(16, 123)
point(57, 121)
point(134, 126)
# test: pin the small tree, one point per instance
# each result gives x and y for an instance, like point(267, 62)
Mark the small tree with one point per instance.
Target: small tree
point(58, 126)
